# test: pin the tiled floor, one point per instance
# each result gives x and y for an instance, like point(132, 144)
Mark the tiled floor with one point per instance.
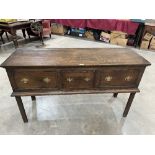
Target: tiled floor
point(78, 114)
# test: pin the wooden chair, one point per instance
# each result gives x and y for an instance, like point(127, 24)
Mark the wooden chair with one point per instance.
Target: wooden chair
point(40, 29)
point(37, 29)
point(46, 27)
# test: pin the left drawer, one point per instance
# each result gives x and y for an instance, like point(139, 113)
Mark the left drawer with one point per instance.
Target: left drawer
point(35, 79)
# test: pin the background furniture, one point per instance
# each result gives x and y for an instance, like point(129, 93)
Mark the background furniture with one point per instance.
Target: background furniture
point(74, 71)
point(148, 27)
point(139, 32)
point(39, 28)
point(46, 28)
point(12, 27)
point(36, 29)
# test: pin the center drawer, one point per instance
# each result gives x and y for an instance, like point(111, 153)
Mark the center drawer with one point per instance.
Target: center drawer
point(77, 79)
point(36, 79)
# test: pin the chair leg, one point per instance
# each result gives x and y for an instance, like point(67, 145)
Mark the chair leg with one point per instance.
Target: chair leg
point(41, 37)
point(50, 35)
point(24, 34)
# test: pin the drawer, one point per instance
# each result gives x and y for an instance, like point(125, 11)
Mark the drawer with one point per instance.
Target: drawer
point(35, 79)
point(111, 77)
point(78, 79)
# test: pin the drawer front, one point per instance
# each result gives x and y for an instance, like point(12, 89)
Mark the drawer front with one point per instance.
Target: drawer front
point(36, 79)
point(78, 79)
point(112, 77)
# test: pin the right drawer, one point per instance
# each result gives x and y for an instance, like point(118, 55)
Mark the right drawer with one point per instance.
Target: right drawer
point(118, 77)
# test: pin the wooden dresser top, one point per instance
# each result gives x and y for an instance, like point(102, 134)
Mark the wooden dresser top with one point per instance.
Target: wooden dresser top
point(63, 57)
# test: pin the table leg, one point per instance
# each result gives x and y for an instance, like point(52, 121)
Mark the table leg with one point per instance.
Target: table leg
point(1, 34)
point(33, 98)
point(2, 40)
point(128, 105)
point(24, 34)
point(115, 94)
point(21, 108)
point(14, 36)
point(7, 36)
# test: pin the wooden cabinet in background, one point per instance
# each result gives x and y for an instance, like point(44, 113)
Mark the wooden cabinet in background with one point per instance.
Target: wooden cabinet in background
point(148, 29)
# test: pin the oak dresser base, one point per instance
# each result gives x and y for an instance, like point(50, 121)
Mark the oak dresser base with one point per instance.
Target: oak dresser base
point(66, 71)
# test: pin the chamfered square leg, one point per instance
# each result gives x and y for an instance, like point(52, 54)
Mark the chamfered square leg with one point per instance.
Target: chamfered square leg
point(115, 94)
point(128, 105)
point(21, 108)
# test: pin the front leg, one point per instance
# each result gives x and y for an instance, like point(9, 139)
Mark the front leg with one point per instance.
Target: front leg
point(24, 34)
point(128, 105)
point(115, 94)
point(33, 98)
point(21, 108)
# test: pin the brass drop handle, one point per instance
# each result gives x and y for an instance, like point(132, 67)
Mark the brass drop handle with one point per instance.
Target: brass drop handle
point(25, 80)
point(69, 79)
point(46, 80)
point(108, 78)
point(87, 79)
point(128, 78)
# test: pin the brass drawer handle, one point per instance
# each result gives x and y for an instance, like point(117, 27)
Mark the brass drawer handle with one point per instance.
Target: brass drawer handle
point(128, 78)
point(87, 79)
point(69, 79)
point(46, 80)
point(108, 78)
point(25, 80)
